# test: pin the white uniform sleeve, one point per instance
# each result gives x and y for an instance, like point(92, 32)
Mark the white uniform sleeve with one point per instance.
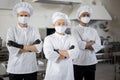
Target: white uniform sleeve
point(73, 53)
point(37, 36)
point(75, 34)
point(10, 36)
point(50, 54)
point(97, 46)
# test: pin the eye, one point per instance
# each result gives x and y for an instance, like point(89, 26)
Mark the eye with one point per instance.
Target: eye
point(21, 15)
point(84, 15)
point(26, 15)
point(88, 15)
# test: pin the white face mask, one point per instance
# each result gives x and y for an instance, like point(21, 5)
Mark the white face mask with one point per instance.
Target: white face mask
point(23, 20)
point(60, 29)
point(85, 19)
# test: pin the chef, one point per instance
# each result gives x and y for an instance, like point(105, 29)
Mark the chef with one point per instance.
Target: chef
point(23, 42)
point(60, 49)
point(89, 43)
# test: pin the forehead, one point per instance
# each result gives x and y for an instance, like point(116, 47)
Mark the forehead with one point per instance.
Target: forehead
point(23, 13)
point(60, 21)
point(85, 13)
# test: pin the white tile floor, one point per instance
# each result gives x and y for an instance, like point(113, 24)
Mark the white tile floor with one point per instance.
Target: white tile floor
point(106, 72)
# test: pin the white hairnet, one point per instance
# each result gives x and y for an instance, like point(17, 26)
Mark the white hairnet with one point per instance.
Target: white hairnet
point(23, 6)
point(83, 9)
point(60, 15)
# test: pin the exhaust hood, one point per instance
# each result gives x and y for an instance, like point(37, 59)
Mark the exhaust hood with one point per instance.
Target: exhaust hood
point(99, 13)
point(58, 1)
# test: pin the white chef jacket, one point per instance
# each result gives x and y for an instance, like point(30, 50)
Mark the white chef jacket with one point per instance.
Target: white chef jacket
point(83, 35)
point(22, 63)
point(59, 69)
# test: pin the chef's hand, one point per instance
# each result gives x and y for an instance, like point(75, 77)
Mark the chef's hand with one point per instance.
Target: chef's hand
point(30, 48)
point(14, 44)
point(22, 51)
point(93, 42)
point(63, 53)
point(34, 43)
point(61, 57)
point(89, 45)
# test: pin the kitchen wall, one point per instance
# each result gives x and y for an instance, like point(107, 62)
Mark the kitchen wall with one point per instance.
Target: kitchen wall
point(113, 7)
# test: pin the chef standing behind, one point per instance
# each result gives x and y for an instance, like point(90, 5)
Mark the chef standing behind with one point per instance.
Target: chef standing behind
point(23, 42)
point(60, 48)
point(89, 43)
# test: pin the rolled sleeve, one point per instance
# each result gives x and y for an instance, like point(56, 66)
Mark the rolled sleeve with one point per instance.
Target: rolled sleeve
point(73, 53)
point(75, 34)
point(39, 47)
point(52, 56)
point(82, 44)
point(49, 52)
point(37, 36)
point(97, 46)
point(10, 36)
point(13, 51)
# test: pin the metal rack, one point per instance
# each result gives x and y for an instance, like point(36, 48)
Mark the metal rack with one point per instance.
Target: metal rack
point(116, 64)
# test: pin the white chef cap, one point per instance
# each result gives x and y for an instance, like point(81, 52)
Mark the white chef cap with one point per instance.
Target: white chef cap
point(23, 6)
point(60, 15)
point(83, 9)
